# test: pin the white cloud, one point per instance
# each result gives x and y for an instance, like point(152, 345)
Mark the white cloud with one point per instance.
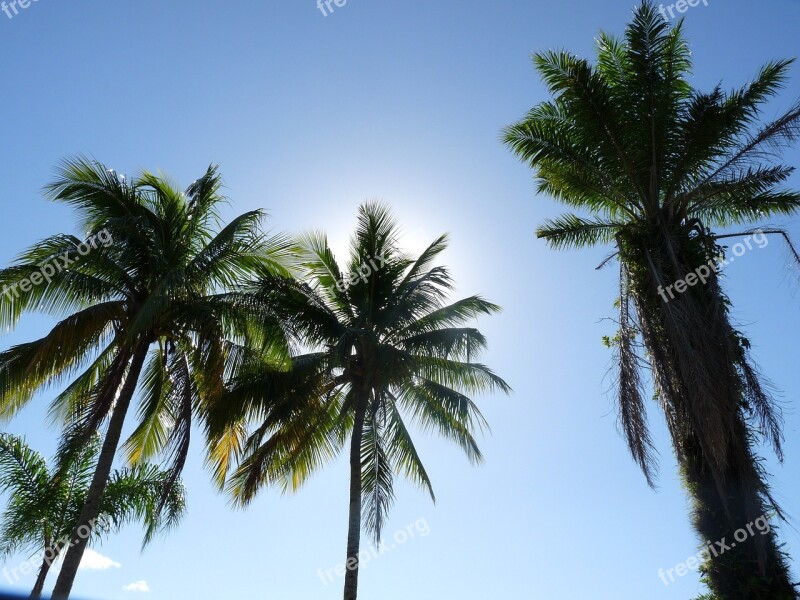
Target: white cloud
point(137, 586)
point(97, 562)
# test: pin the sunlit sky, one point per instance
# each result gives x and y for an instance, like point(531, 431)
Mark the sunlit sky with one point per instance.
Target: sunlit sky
point(308, 116)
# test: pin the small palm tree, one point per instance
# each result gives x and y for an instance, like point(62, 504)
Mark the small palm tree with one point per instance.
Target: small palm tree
point(45, 505)
point(159, 286)
point(657, 166)
point(384, 346)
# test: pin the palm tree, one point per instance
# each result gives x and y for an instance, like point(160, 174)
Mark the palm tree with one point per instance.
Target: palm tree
point(383, 347)
point(658, 166)
point(159, 286)
point(44, 506)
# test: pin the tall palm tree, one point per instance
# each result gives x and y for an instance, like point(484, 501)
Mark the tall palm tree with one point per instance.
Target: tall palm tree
point(158, 287)
point(382, 346)
point(44, 505)
point(658, 167)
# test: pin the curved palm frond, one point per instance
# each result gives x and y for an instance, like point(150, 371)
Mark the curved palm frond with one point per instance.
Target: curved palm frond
point(387, 333)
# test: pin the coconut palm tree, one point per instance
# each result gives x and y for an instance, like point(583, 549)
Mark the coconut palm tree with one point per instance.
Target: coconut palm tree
point(44, 505)
point(657, 169)
point(157, 284)
point(382, 348)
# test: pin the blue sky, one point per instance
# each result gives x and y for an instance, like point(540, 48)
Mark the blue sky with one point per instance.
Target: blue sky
point(308, 116)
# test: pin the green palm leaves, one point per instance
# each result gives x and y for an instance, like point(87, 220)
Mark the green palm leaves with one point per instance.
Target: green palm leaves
point(631, 141)
point(391, 336)
point(381, 350)
point(45, 505)
point(276, 350)
point(157, 302)
point(655, 165)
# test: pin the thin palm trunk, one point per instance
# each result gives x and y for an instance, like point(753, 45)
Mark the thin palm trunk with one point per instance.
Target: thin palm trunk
point(94, 496)
point(38, 587)
point(354, 522)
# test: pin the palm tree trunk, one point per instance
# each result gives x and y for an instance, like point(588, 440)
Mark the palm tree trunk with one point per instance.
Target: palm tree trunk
point(94, 496)
point(698, 361)
point(39, 585)
point(744, 559)
point(354, 522)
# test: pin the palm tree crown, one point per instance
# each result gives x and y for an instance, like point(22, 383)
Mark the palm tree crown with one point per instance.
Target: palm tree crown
point(45, 505)
point(160, 286)
point(385, 347)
